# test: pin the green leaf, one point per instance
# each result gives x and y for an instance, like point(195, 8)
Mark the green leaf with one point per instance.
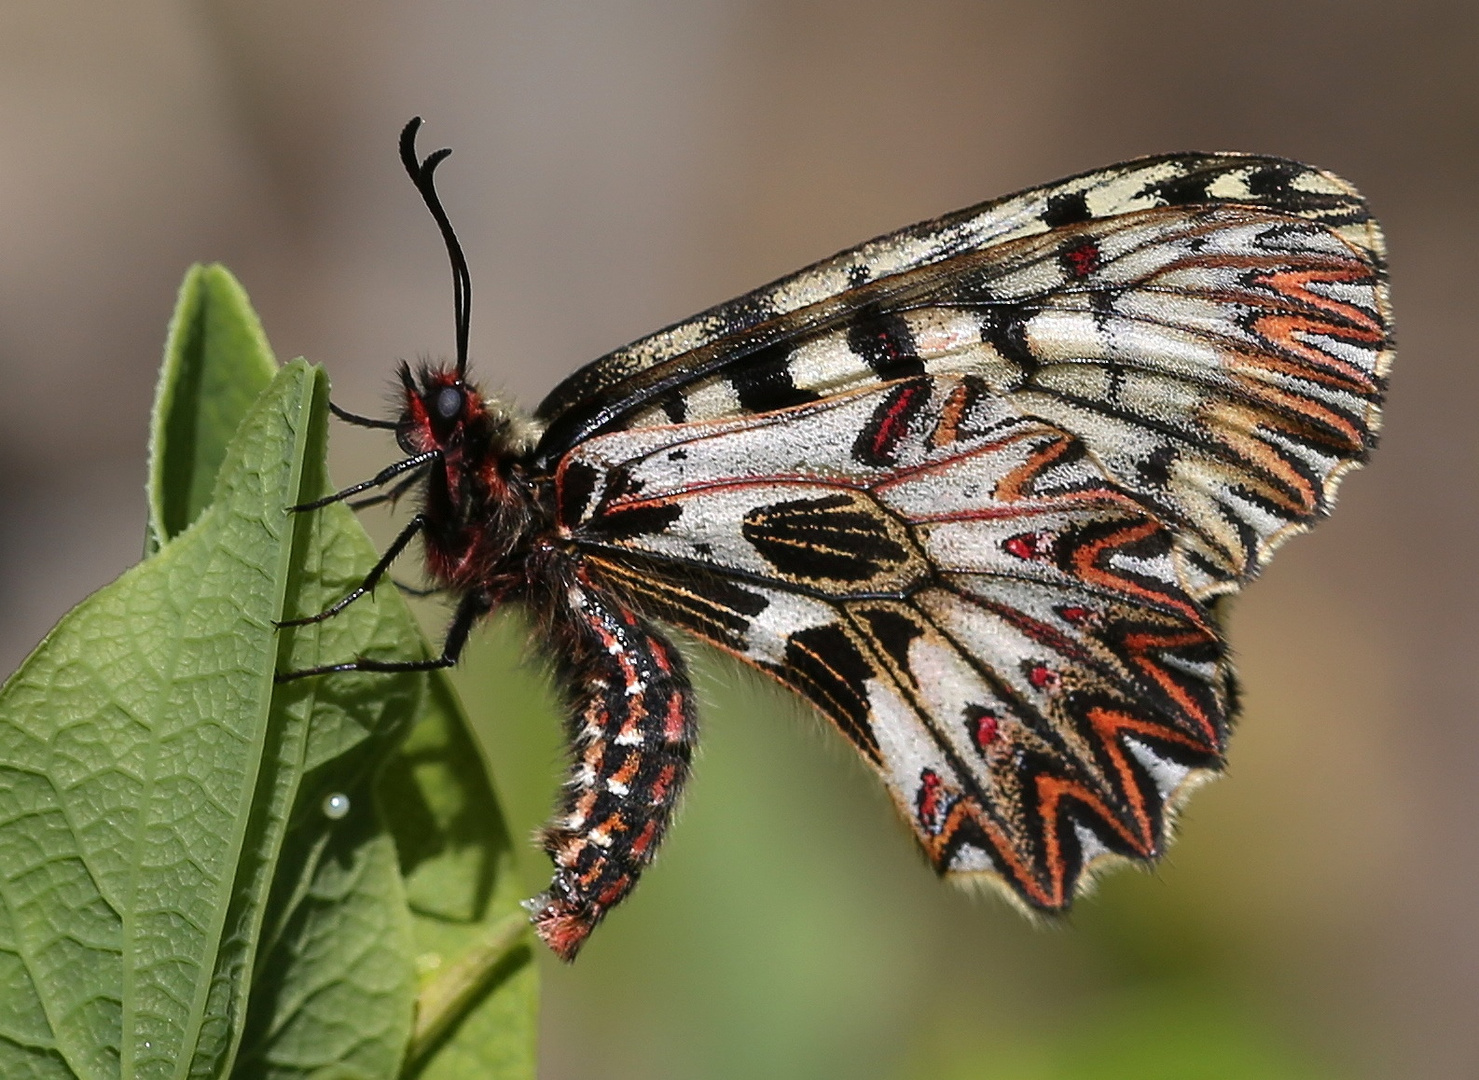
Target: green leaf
point(216, 363)
point(478, 1010)
point(336, 987)
point(336, 979)
point(132, 746)
point(334, 949)
point(174, 899)
point(335, 984)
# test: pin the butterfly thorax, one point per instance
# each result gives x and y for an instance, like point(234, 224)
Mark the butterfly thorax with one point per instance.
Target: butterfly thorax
point(481, 508)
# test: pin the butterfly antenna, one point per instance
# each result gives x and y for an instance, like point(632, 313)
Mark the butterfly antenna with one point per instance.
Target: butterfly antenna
point(421, 173)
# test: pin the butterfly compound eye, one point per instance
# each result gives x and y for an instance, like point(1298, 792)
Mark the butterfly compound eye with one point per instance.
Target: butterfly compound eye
point(448, 404)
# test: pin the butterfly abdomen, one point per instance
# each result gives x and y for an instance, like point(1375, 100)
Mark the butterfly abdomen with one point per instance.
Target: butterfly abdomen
point(631, 734)
point(489, 532)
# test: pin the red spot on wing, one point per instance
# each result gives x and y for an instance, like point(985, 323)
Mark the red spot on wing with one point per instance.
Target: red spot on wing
point(933, 802)
point(1020, 546)
point(1042, 677)
point(1032, 546)
point(887, 347)
point(1085, 618)
point(894, 422)
point(878, 443)
point(1082, 259)
point(983, 725)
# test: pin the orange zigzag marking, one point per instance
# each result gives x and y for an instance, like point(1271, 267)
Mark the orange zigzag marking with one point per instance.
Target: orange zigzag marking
point(1110, 725)
point(1088, 568)
point(1140, 646)
point(1344, 321)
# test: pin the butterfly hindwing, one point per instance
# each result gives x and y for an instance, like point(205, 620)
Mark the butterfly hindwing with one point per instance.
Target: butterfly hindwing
point(995, 626)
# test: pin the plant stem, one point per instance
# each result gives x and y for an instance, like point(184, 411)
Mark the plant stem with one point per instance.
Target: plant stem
point(455, 991)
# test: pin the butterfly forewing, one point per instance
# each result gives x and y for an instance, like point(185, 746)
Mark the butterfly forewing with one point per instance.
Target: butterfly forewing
point(607, 391)
point(1213, 328)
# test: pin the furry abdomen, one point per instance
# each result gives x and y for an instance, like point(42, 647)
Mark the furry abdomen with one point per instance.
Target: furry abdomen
point(631, 733)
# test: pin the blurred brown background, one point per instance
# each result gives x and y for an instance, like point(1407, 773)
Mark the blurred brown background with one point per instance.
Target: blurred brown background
point(621, 165)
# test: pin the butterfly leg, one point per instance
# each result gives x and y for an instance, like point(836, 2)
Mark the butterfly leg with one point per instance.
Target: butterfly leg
point(414, 526)
point(632, 733)
point(473, 606)
point(391, 496)
point(384, 476)
point(416, 590)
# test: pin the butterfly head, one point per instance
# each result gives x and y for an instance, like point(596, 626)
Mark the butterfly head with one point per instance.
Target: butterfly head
point(443, 412)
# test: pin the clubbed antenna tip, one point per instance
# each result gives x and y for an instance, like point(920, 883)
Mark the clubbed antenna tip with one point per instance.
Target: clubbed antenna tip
point(422, 173)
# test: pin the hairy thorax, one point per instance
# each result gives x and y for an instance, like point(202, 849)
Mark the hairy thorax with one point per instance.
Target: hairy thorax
point(483, 513)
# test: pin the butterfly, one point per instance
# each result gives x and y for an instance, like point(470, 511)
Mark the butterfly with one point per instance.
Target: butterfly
point(975, 489)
